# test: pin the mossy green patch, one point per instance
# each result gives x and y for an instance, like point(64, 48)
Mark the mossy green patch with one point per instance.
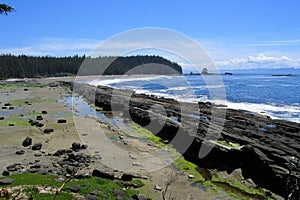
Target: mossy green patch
point(188, 167)
point(21, 85)
point(15, 120)
point(18, 102)
point(104, 187)
point(34, 192)
point(236, 189)
point(142, 133)
point(34, 179)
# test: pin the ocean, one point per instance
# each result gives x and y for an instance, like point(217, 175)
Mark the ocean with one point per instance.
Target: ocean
point(275, 96)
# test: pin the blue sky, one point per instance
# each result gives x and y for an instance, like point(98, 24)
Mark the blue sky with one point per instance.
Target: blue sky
point(235, 34)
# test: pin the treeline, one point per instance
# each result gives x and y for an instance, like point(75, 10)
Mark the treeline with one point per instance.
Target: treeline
point(23, 66)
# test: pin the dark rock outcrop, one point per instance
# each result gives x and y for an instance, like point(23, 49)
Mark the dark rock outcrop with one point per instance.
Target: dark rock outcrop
point(260, 146)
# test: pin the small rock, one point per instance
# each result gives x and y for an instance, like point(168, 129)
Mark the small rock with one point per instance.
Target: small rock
point(91, 197)
point(39, 125)
point(20, 152)
point(37, 146)
point(119, 193)
point(4, 107)
point(7, 104)
point(44, 112)
point(60, 179)
point(1, 118)
point(98, 157)
point(11, 108)
point(191, 176)
point(27, 141)
point(37, 154)
point(157, 187)
point(61, 121)
point(39, 117)
point(139, 197)
point(74, 188)
point(6, 181)
point(84, 146)
point(14, 167)
point(48, 130)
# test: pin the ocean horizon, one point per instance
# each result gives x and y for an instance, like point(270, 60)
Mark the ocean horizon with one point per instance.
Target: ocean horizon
point(269, 95)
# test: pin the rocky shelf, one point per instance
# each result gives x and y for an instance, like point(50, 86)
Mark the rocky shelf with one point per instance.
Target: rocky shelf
point(266, 150)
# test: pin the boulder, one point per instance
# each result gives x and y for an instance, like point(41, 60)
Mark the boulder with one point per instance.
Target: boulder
point(27, 141)
point(61, 121)
point(5, 173)
point(103, 174)
point(37, 146)
point(39, 125)
point(48, 130)
point(126, 177)
point(76, 146)
point(39, 117)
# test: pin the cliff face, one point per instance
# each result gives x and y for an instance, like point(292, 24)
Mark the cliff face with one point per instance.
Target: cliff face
point(263, 148)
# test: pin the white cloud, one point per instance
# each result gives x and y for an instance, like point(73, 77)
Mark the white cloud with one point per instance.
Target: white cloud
point(271, 43)
point(259, 61)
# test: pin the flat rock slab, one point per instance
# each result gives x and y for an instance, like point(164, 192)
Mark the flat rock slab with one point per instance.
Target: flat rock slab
point(6, 181)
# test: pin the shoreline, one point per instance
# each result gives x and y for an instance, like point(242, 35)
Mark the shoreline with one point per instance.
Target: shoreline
point(257, 108)
point(230, 151)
